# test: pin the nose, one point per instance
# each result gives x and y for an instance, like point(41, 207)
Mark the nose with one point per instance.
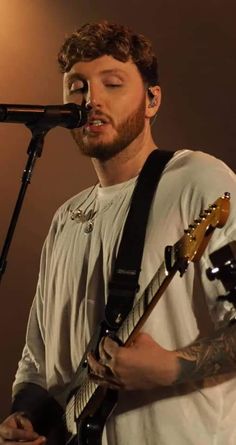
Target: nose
point(93, 97)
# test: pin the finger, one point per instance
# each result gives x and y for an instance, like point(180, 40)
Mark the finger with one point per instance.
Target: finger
point(17, 434)
point(17, 420)
point(110, 382)
point(39, 441)
point(97, 368)
point(110, 347)
point(104, 356)
point(102, 375)
point(23, 423)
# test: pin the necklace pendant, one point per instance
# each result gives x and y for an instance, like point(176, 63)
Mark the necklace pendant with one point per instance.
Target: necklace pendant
point(80, 216)
point(77, 215)
point(89, 227)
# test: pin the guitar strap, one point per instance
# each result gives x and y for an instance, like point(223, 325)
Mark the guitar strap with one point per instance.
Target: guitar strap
point(123, 285)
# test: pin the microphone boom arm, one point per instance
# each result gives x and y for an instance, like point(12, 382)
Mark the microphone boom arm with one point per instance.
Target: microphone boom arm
point(39, 131)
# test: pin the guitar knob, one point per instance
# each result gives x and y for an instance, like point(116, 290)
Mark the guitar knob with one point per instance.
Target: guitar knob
point(85, 364)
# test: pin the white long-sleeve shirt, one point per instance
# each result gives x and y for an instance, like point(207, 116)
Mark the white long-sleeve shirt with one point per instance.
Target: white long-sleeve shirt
point(72, 290)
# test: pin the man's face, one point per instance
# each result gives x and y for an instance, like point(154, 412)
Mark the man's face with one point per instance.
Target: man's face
point(117, 97)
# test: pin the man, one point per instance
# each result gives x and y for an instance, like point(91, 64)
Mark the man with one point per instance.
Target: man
point(181, 367)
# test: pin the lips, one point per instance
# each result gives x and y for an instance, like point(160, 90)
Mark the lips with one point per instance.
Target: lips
point(93, 118)
point(96, 123)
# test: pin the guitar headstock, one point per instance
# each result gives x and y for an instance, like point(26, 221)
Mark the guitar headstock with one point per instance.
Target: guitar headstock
point(192, 245)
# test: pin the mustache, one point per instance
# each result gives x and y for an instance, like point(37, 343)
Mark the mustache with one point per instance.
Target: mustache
point(96, 113)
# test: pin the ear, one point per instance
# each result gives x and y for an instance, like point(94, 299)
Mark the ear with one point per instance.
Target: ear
point(153, 101)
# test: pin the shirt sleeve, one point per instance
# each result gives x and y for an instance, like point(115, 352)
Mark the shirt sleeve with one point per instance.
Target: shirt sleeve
point(31, 367)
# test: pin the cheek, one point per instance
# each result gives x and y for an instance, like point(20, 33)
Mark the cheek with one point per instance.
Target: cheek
point(132, 101)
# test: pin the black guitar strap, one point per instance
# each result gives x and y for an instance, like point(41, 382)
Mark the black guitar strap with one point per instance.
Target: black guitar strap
point(123, 285)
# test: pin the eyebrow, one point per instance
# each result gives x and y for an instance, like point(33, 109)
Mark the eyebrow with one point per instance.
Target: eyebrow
point(113, 71)
point(74, 76)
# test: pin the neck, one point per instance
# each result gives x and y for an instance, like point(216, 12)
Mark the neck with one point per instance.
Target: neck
point(126, 164)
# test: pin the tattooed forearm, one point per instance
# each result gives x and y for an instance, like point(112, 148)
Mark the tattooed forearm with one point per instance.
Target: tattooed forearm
point(209, 356)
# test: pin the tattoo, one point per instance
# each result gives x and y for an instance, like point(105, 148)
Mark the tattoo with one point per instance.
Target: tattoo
point(209, 356)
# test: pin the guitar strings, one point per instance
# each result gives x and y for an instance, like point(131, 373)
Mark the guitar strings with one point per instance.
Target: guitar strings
point(82, 390)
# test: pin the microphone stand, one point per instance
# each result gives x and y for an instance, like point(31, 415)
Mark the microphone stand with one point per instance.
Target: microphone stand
point(34, 151)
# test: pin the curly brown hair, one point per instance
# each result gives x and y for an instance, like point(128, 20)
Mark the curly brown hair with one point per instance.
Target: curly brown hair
point(93, 40)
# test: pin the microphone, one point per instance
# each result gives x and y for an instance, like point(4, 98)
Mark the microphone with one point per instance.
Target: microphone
point(45, 116)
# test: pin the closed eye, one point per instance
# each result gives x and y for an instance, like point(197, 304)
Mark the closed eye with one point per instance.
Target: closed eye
point(112, 81)
point(114, 85)
point(80, 90)
point(77, 86)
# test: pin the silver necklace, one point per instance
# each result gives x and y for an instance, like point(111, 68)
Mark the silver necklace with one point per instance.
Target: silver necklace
point(83, 215)
point(87, 216)
point(94, 213)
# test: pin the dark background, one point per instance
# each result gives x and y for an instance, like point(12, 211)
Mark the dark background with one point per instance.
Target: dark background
point(195, 42)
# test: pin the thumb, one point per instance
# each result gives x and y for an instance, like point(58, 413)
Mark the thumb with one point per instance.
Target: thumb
point(142, 339)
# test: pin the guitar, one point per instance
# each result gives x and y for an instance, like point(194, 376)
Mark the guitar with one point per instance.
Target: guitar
point(89, 405)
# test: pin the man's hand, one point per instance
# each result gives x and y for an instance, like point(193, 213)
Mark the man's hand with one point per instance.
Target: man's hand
point(17, 428)
point(145, 364)
point(142, 365)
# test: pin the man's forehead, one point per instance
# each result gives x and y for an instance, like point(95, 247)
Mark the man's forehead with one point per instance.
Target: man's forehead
point(101, 65)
